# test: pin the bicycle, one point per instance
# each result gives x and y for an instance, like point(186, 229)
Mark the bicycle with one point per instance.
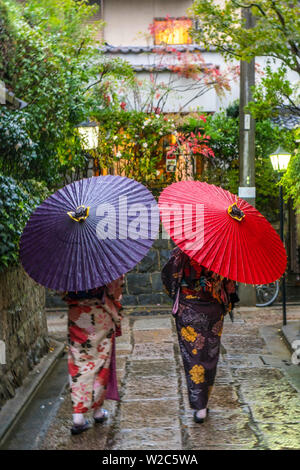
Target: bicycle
point(266, 294)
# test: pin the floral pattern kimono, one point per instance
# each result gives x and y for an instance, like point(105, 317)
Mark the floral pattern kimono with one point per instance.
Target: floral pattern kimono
point(93, 322)
point(201, 299)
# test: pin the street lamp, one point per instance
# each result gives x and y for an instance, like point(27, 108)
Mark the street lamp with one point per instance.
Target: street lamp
point(89, 135)
point(280, 160)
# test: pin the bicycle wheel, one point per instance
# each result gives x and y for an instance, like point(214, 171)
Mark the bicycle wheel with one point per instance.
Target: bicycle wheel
point(266, 294)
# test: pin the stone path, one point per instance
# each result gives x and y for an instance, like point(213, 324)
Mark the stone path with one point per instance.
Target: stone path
point(255, 403)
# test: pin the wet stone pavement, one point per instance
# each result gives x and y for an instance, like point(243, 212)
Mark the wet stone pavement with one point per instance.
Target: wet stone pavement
point(255, 403)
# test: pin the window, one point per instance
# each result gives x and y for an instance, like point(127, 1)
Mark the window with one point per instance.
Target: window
point(172, 31)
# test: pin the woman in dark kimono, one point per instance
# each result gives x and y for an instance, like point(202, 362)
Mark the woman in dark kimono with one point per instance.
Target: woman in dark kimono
point(201, 299)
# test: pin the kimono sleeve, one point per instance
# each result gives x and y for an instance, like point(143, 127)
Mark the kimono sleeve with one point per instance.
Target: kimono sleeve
point(115, 288)
point(230, 287)
point(172, 272)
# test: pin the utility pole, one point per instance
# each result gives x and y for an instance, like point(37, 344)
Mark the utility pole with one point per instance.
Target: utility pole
point(247, 146)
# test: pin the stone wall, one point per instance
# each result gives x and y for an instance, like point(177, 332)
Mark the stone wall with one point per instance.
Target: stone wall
point(143, 284)
point(23, 328)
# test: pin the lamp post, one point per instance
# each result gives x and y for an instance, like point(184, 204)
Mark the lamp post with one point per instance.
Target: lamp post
point(89, 135)
point(280, 160)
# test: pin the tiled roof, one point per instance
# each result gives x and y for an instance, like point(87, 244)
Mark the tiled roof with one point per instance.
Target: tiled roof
point(140, 49)
point(161, 68)
point(286, 118)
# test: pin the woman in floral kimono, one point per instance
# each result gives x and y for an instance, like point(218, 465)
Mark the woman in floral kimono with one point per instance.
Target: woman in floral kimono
point(94, 320)
point(201, 299)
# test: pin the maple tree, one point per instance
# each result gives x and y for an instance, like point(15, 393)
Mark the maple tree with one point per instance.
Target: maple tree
point(186, 74)
point(275, 34)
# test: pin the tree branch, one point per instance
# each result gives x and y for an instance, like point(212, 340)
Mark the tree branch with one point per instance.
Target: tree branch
point(283, 23)
point(98, 81)
point(250, 6)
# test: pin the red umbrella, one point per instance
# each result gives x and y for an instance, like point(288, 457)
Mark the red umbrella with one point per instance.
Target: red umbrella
point(222, 232)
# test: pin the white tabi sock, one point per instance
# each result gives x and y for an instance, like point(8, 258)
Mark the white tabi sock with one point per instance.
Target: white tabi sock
point(78, 418)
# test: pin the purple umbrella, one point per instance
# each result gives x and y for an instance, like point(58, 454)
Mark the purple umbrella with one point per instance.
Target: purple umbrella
point(89, 233)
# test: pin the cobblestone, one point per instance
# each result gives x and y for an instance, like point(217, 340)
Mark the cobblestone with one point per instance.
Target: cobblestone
point(254, 404)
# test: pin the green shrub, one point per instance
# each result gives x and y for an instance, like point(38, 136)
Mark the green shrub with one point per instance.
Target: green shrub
point(17, 202)
point(18, 152)
point(223, 170)
point(50, 59)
